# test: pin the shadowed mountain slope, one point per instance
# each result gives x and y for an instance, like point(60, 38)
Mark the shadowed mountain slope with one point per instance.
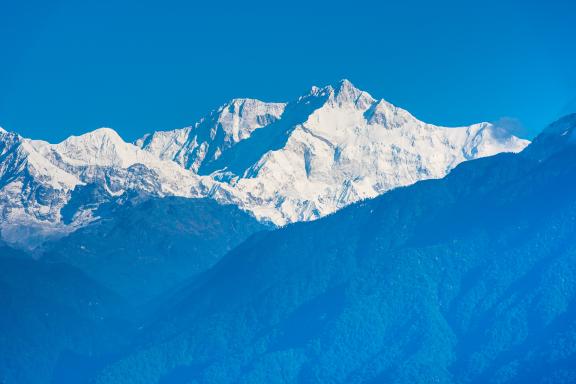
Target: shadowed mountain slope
point(51, 312)
point(143, 247)
point(468, 279)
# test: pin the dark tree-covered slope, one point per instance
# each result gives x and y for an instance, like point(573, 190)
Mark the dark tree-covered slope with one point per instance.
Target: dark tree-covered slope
point(50, 313)
point(147, 246)
point(469, 279)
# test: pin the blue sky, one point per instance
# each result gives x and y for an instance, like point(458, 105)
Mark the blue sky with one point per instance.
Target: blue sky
point(67, 67)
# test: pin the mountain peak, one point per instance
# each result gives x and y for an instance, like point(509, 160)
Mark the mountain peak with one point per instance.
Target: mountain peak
point(343, 86)
point(98, 135)
point(346, 84)
point(242, 100)
point(234, 103)
point(102, 146)
point(555, 138)
point(344, 92)
point(241, 116)
point(104, 132)
point(252, 106)
point(561, 126)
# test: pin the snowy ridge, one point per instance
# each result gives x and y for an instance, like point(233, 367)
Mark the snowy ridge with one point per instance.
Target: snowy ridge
point(37, 180)
point(283, 162)
point(346, 147)
point(191, 147)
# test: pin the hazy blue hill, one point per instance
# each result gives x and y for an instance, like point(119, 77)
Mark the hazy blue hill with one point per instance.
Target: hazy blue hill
point(146, 246)
point(65, 315)
point(469, 279)
point(48, 312)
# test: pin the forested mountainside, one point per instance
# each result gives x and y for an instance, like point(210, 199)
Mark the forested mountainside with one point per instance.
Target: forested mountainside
point(468, 279)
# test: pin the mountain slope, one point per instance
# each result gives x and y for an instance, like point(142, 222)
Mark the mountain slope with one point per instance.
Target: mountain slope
point(192, 147)
point(468, 279)
point(38, 180)
point(142, 247)
point(32, 191)
point(331, 147)
point(52, 313)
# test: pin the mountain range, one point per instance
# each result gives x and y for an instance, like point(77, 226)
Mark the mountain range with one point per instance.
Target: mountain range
point(467, 279)
point(281, 162)
point(331, 239)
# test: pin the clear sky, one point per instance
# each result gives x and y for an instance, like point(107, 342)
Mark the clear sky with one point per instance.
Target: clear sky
point(67, 66)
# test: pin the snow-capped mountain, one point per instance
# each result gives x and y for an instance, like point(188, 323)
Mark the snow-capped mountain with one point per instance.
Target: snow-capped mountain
point(32, 190)
point(38, 180)
point(283, 162)
point(192, 147)
point(332, 147)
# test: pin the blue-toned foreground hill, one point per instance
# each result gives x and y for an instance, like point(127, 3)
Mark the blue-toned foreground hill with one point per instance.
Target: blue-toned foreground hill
point(49, 314)
point(469, 279)
point(72, 310)
point(144, 247)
